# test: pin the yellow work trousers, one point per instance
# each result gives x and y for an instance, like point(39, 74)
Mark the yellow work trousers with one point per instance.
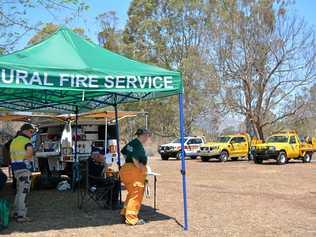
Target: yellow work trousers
point(134, 181)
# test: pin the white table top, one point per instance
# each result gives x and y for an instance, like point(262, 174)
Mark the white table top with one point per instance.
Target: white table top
point(46, 154)
point(152, 174)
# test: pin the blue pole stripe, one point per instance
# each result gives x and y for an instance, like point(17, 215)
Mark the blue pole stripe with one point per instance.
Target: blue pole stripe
point(117, 137)
point(118, 150)
point(183, 166)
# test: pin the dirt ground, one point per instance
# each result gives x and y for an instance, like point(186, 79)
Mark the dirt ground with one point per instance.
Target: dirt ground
point(225, 199)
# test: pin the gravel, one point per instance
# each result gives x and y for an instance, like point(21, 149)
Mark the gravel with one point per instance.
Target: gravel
point(225, 199)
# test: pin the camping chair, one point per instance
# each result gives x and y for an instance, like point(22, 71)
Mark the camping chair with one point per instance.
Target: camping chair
point(87, 191)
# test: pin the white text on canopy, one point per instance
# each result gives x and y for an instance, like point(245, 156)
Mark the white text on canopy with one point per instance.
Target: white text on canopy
point(22, 77)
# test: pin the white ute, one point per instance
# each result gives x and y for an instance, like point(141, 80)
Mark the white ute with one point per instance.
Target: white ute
point(173, 149)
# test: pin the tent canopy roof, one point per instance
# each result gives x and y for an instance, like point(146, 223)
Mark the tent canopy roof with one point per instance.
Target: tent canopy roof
point(65, 70)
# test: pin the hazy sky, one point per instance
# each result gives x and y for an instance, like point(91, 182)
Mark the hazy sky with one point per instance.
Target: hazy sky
point(304, 8)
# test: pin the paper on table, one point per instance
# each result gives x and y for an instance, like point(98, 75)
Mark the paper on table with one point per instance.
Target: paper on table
point(150, 172)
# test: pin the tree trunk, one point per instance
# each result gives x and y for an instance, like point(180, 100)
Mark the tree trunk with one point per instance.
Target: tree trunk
point(187, 128)
point(253, 128)
point(249, 127)
point(260, 132)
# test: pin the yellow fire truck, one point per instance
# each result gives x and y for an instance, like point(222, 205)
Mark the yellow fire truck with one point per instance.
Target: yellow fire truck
point(283, 147)
point(227, 146)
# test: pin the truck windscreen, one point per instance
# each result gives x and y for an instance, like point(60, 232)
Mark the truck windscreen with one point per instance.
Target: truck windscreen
point(278, 139)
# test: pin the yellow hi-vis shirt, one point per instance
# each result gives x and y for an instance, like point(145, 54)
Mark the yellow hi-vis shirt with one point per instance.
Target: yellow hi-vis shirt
point(18, 147)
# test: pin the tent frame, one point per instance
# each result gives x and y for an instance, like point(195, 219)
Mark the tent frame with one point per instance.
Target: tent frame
point(183, 162)
point(76, 172)
point(26, 102)
point(27, 92)
point(76, 166)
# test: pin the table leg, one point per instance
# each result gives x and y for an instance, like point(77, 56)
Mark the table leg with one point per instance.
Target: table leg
point(10, 171)
point(155, 193)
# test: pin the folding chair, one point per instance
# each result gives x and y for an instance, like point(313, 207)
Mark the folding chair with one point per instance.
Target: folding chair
point(101, 192)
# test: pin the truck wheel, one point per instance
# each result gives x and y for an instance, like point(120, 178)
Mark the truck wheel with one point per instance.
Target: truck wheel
point(193, 157)
point(282, 159)
point(223, 156)
point(205, 158)
point(257, 160)
point(234, 158)
point(307, 158)
point(164, 157)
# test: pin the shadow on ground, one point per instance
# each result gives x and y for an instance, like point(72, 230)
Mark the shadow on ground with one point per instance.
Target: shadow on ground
point(291, 162)
point(214, 160)
point(53, 210)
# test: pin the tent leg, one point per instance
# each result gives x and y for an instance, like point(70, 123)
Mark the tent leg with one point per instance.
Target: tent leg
point(106, 135)
point(146, 120)
point(75, 167)
point(183, 166)
point(118, 151)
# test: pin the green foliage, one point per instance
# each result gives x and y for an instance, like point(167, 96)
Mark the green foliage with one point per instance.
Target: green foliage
point(266, 59)
point(15, 17)
point(171, 34)
point(109, 36)
point(249, 58)
point(49, 29)
point(159, 122)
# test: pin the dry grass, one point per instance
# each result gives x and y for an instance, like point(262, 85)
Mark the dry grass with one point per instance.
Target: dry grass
point(225, 199)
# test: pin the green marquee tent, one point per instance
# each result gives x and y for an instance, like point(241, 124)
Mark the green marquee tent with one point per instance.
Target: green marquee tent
point(66, 69)
point(66, 72)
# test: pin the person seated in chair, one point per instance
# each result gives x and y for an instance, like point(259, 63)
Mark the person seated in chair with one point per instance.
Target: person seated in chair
point(3, 179)
point(97, 167)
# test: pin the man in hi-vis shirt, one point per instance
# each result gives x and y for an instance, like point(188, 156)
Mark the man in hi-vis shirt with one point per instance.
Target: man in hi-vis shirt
point(21, 152)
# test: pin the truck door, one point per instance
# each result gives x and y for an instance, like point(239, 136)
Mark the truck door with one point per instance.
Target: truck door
point(194, 144)
point(198, 144)
point(235, 146)
point(243, 146)
point(294, 150)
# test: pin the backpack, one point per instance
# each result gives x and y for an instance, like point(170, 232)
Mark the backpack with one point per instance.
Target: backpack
point(4, 213)
point(6, 154)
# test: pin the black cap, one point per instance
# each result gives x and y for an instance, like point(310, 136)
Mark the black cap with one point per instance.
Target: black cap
point(27, 126)
point(142, 131)
point(98, 150)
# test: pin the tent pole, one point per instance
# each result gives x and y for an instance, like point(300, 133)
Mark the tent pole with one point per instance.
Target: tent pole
point(117, 137)
point(183, 166)
point(106, 134)
point(146, 120)
point(76, 161)
point(118, 151)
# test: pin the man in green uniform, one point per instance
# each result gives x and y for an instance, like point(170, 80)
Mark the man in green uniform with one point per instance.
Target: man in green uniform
point(133, 175)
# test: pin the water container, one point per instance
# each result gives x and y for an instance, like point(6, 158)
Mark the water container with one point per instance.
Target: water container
point(108, 159)
point(4, 213)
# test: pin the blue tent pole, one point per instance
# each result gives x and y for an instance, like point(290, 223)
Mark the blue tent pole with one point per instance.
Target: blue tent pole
point(117, 137)
point(118, 151)
point(183, 167)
